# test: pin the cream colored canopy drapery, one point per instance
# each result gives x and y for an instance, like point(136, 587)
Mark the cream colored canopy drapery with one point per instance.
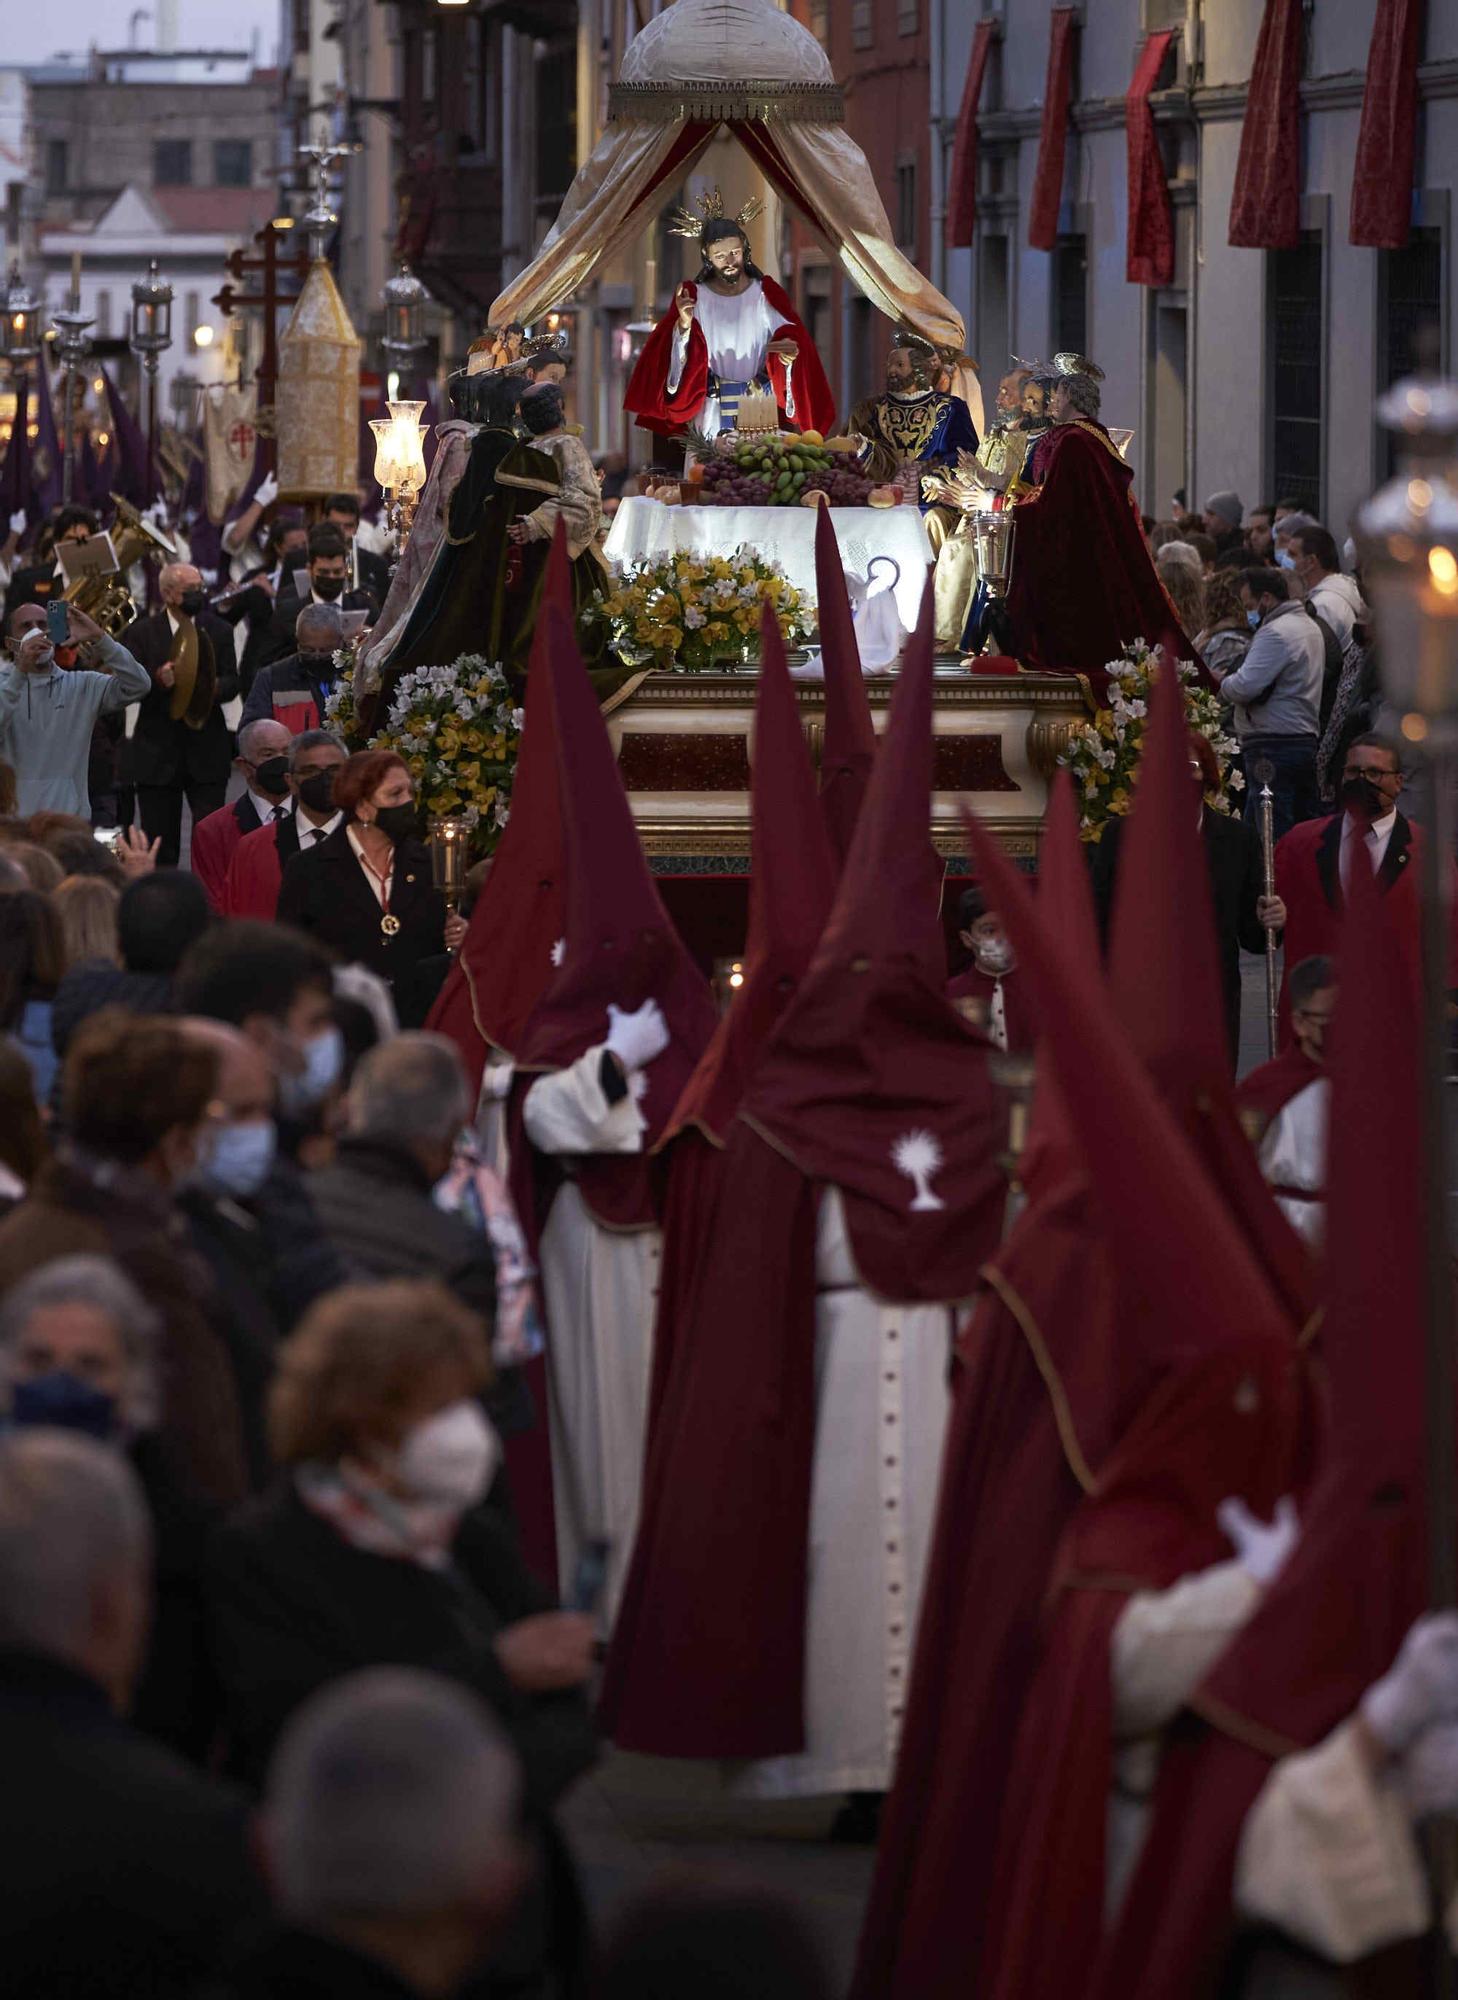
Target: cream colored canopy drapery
point(683, 78)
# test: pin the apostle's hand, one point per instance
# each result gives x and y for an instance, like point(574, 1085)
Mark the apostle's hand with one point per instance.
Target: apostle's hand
point(1261, 1547)
point(1271, 913)
point(544, 1654)
point(1420, 1689)
point(787, 350)
point(635, 1039)
point(683, 300)
point(517, 532)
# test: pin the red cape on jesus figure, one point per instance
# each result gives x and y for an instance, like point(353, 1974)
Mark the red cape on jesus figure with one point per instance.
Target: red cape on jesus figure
point(730, 332)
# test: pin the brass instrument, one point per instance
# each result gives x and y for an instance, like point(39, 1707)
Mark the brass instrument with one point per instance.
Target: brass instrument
point(106, 597)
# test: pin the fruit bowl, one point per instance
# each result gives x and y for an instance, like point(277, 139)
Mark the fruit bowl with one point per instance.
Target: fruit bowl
point(778, 471)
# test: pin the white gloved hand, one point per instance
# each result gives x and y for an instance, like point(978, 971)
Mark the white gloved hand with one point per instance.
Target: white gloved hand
point(1421, 1686)
point(1261, 1547)
point(1428, 1774)
point(635, 1039)
point(496, 1082)
point(17, 522)
point(266, 492)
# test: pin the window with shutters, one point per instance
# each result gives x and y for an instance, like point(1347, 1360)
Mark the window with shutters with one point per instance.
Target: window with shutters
point(1295, 370)
point(172, 163)
point(1070, 295)
point(1409, 319)
point(908, 16)
point(906, 202)
point(863, 24)
point(56, 166)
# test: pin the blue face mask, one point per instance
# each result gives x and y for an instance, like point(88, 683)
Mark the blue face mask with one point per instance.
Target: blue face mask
point(1252, 618)
point(1285, 559)
point(235, 1159)
point(323, 1066)
point(63, 1402)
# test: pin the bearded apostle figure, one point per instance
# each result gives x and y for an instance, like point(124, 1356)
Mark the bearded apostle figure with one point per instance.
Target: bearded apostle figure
point(729, 332)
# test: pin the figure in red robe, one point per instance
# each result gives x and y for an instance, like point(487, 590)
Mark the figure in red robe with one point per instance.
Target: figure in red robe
point(730, 332)
point(1083, 581)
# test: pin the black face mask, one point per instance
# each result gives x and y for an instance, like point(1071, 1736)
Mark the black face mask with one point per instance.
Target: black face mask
point(271, 777)
point(320, 665)
point(399, 822)
point(329, 587)
point(1362, 796)
point(191, 601)
point(317, 791)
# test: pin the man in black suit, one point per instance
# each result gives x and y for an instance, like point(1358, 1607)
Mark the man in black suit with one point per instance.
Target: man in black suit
point(126, 1871)
point(370, 572)
point(328, 584)
point(1233, 862)
point(182, 746)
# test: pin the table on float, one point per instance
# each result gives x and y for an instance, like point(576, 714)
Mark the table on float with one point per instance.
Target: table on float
point(644, 530)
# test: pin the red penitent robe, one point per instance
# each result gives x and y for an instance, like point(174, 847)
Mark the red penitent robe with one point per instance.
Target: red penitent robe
point(1083, 581)
point(649, 401)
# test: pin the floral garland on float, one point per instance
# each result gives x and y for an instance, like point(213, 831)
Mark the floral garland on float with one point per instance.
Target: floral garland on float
point(458, 729)
point(693, 614)
point(1103, 755)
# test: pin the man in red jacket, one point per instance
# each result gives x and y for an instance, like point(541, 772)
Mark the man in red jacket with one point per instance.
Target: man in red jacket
point(1314, 863)
point(263, 761)
point(256, 870)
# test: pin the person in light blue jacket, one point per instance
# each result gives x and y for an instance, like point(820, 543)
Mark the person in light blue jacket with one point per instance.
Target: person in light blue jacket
point(47, 712)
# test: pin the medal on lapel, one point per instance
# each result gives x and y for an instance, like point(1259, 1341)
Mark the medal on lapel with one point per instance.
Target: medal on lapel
point(389, 925)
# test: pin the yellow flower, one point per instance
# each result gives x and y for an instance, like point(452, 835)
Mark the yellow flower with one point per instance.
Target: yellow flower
point(1119, 801)
point(672, 638)
point(443, 801)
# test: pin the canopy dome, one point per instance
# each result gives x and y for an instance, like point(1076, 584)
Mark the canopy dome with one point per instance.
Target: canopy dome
point(726, 59)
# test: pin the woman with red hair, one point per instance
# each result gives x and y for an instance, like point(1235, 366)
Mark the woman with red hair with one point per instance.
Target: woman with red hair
point(367, 891)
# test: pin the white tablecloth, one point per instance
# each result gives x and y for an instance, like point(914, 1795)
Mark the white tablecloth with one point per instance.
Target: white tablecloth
point(645, 529)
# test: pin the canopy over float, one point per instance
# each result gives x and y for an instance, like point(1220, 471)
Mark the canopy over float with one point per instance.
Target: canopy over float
point(682, 79)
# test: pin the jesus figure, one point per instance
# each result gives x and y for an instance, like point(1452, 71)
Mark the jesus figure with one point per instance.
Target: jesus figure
point(729, 332)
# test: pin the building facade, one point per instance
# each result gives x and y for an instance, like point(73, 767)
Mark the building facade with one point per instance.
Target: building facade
point(1255, 370)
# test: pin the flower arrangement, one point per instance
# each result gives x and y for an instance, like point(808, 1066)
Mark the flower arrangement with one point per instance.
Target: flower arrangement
point(690, 614)
point(459, 731)
point(1103, 755)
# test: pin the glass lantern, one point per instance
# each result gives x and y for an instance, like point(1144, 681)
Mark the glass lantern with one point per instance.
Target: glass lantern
point(151, 332)
point(20, 333)
point(409, 445)
point(405, 299)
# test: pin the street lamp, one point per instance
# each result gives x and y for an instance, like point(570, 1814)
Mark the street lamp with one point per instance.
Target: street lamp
point(20, 339)
point(1407, 539)
point(151, 336)
point(73, 344)
point(403, 341)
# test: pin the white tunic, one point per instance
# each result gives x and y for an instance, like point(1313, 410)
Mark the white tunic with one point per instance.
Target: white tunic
point(881, 1410)
point(599, 1287)
point(1293, 1155)
point(737, 328)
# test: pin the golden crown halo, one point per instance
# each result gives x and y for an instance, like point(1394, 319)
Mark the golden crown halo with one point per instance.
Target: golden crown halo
point(682, 221)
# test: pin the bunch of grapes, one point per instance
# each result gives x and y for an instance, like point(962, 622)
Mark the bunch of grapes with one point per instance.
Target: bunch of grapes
point(778, 472)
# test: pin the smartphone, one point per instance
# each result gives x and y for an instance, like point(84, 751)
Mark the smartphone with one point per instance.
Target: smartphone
point(58, 621)
point(107, 835)
point(590, 1579)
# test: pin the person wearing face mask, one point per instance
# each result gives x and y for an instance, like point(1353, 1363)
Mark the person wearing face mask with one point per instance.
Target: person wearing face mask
point(1314, 865)
point(47, 715)
point(181, 746)
point(374, 1548)
point(368, 892)
point(249, 604)
point(295, 691)
point(1275, 697)
point(262, 763)
point(987, 989)
point(1284, 1105)
point(328, 568)
point(136, 1095)
point(256, 869)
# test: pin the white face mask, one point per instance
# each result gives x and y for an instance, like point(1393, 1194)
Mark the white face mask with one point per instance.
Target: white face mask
point(300, 1090)
point(994, 957)
point(451, 1458)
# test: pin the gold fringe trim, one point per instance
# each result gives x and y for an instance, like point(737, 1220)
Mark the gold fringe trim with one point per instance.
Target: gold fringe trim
point(1254, 1735)
point(1078, 1465)
point(714, 103)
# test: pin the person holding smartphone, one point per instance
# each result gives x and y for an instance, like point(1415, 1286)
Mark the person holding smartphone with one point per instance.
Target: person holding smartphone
point(47, 713)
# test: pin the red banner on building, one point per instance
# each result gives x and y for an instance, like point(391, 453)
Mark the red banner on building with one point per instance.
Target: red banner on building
point(962, 200)
point(1382, 179)
point(1265, 205)
point(1048, 180)
point(1150, 253)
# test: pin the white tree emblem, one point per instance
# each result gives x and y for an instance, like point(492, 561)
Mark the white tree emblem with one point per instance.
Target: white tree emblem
point(559, 951)
point(918, 1156)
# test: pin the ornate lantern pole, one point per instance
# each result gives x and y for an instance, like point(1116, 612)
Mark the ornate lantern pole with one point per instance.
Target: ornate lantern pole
point(73, 344)
point(20, 337)
point(151, 336)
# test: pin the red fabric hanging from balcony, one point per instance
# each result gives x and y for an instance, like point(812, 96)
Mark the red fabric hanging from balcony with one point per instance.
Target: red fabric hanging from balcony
point(1265, 205)
point(1382, 178)
point(1150, 251)
point(962, 204)
point(1048, 180)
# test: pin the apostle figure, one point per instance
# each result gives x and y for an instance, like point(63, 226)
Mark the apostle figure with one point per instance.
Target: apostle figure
point(730, 331)
point(601, 1062)
point(914, 422)
point(1083, 581)
point(793, 1478)
point(990, 478)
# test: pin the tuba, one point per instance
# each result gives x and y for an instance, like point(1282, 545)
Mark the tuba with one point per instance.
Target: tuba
point(106, 597)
